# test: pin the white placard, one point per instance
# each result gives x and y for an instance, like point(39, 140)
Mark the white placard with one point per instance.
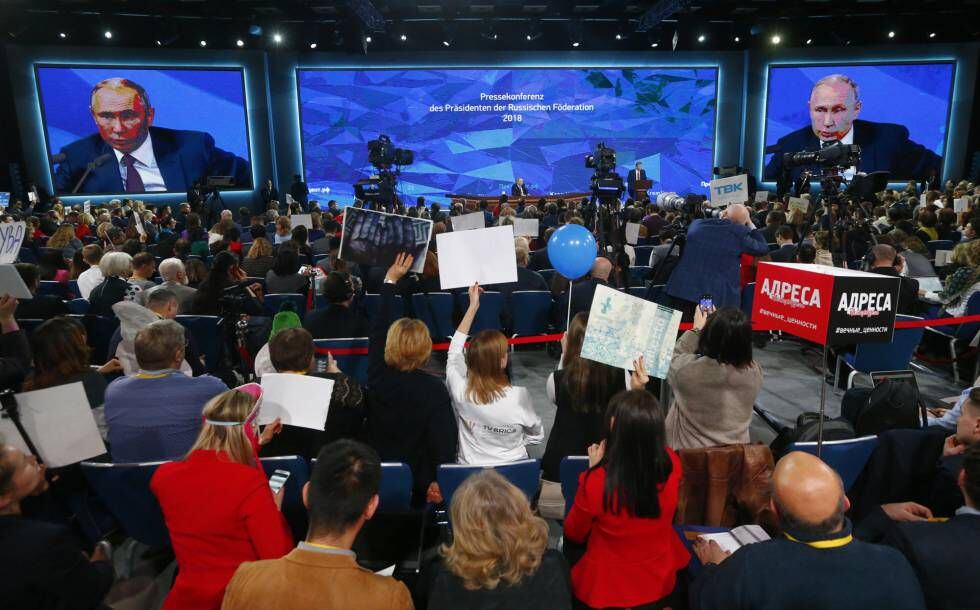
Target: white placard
point(139, 223)
point(302, 220)
point(11, 238)
point(87, 206)
point(922, 198)
point(631, 253)
point(943, 258)
point(526, 227)
point(726, 191)
point(632, 232)
point(12, 284)
point(32, 196)
point(486, 256)
point(60, 423)
point(468, 222)
point(960, 204)
point(761, 196)
point(798, 203)
point(297, 400)
point(289, 199)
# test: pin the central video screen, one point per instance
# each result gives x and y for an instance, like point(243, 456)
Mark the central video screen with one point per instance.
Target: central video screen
point(475, 131)
point(126, 130)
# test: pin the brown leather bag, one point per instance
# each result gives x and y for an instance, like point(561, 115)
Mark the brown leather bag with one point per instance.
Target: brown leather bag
point(725, 486)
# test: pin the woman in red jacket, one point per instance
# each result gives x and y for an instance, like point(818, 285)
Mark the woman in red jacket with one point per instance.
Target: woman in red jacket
point(217, 503)
point(624, 508)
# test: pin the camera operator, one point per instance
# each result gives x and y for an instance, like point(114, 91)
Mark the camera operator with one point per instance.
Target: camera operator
point(709, 263)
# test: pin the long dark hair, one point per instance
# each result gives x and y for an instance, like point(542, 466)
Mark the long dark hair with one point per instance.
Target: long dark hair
point(60, 351)
point(636, 458)
point(287, 261)
point(727, 338)
point(589, 383)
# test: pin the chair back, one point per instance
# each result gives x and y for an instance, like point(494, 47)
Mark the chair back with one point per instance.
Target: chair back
point(100, 330)
point(372, 305)
point(569, 470)
point(639, 274)
point(847, 457)
point(938, 244)
point(395, 492)
point(657, 293)
point(125, 490)
point(435, 310)
point(292, 500)
point(530, 310)
point(275, 300)
point(894, 356)
point(748, 298)
point(353, 365)
point(523, 474)
point(639, 292)
point(966, 332)
point(51, 288)
point(488, 316)
point(27, 256)
point(78, 306)
point(548, 275)
point(208, 331)
point(29, 325)
point(642, 255)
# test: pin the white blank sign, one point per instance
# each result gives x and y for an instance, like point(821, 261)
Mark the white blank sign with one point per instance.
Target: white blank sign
point(483, 255)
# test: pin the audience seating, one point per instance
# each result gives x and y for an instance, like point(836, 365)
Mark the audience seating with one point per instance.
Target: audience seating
point(29, 324)
point(27, 256)
point(208, 331)
point(395, 492)
point(894, 356)
point(961, 332)
point(99, 330)
point(530, 311)
point(435, 310)
point(847, 457)
point(55, 289)
point(77, 306)
point(353, 365)
point(569, 470)
point(548, 275)
point(275, 300)
point(524, 474)
point(319, 258)
point(292, 500)
point(73, 287)
point(657, 293)
point(938, 244)
point(642, 255)
point(125, 490)
point(639, 274)
point(637, 291)
point(488, 316)
point(372, 305)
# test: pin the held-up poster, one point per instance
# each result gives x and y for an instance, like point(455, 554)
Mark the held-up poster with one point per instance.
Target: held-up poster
point(11, 237)
point(623, 327)
point(376, 238)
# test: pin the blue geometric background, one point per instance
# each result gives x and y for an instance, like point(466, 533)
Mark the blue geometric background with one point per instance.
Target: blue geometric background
point(914, 95)
point(664, 117)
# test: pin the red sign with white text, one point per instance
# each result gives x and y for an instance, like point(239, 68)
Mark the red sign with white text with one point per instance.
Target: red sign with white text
point(792, 300)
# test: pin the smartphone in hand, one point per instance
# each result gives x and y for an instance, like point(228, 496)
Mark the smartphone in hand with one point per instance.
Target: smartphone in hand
point(278, 479)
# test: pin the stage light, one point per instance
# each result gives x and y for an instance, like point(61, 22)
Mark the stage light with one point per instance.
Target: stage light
point(533, 31)
point(159, 43)
point(367, 39)
point(108, 34)
point(776, 39)
point(528, 37)
point(809, 40)
point(403, 38)
point(932, 34)
point(619, 36)
point(312, 45)
point(576, 44)
point(655, 45)
point(277, 38)
point(891, 34)
point(203, 43)
point(737, 39)
point(240, 42)
point(62, 35)
point(702, 38)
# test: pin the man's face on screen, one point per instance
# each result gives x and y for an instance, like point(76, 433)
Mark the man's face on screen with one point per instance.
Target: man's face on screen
point(833, 109)
point(121, 117)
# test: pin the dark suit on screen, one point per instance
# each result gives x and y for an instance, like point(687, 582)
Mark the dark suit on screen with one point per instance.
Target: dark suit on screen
point(182, 156)
point(884, 147)
point(518, 190)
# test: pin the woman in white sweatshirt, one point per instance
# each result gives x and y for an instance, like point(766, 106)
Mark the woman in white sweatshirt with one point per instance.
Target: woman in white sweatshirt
point(496, 419)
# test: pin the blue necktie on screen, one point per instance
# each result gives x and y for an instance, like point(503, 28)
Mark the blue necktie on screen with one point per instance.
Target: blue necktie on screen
point(134, 182)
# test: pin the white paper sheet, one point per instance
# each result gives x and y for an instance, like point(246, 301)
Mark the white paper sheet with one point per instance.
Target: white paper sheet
point(959, 204)
point(798, 203)
point(725, 191)
point(526, 227)
point(298, 400)
point(87, 206)
point(943, 258)
point(486, 256)
point(761, 196)
point(60, 423)
point(11, 237)
point(632, 232)
point(12, 284)
point(468, 222)
point(302, 220)
point(9, 435)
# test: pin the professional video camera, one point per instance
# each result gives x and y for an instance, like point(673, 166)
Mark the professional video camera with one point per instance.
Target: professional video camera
point(382, 154)
point(835, 155)
point(690, 207)
point(603, 159)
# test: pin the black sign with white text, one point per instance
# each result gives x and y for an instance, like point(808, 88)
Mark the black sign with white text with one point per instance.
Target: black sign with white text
point(863, 310)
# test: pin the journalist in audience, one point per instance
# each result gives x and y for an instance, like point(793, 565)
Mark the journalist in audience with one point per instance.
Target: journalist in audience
point(156, 413)
point(410, 413)
point(91, 277)
point(339, 319)
point(64, 239)
point(815, 564)
point(496, 420)
point(582, 291)
point(714, 380)
point(624, 510)
point(322, 572)
point(786, 253)
point(886, 261)
point(291, 352)
point(259, 259)
point(580, 390)
point(161, 304)
point(144, 266)
point(116, 268)
point(960, 285)
point(174, 277)
point(40, 306)
point(499, 556)
point(15, 350)
point(52, 266)
point(43, 565)
point(217, 503)
point(285, 276)
point(214, 290)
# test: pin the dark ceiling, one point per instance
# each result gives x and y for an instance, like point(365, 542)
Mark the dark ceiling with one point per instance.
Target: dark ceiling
point(489, 24)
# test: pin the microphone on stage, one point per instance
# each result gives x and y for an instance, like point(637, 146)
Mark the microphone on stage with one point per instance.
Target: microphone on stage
point(96, 162)
point(58, 158)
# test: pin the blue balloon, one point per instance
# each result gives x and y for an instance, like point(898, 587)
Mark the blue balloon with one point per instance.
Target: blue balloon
point(571, 251)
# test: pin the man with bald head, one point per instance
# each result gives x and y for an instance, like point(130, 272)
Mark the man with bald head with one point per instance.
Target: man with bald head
point(129, 155)
point(710, 260)
point(816, 563)
point(583, 290)
point(885, 260)
point(834, 106)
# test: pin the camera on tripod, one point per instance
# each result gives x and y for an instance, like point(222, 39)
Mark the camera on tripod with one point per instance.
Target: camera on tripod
point(602, 160)
point(690, 206)
point(835, 155)
point(382, 154)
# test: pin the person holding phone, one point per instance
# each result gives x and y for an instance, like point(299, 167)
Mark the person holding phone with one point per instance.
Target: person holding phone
point(714, 380)
point(217, 502)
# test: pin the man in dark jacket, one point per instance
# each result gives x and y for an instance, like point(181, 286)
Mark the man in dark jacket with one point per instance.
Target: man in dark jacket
point(337, 321)
point(886, 261)
point(15, 350)
point(787, 249)
point(582, 292)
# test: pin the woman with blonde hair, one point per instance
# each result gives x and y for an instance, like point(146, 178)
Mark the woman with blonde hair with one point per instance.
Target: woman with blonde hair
point(496, 420)
point(410, 415)
point(499, 556)
point(259, 259)
point(64, 239)
point(217, 503)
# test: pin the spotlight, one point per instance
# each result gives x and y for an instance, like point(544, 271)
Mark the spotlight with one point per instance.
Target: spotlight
point(159, 43)
point(108, 34)
point(576, 44)
point(255, 30)
point(528, 37)
point(737, 39)
point(62, 35)
point(367, 39)
point(203, 43)
point(702, 38)
point(312, 45)
point(446, 43)
point(277, 38)
point(403, 38)
point(809, 40)
point(655, 45)
point(776, 39)
point(891, 34)
point(932, 34)
point(619, 36)
point(240, 42)
point(533, 31)
point(489, 32)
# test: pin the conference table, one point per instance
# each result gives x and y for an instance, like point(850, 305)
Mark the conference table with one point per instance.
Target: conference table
point(530, 198)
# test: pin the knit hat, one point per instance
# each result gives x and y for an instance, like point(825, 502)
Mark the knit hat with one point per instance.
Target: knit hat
point(286, 318)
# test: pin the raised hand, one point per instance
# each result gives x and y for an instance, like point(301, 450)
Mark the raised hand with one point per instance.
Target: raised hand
point(403, 262)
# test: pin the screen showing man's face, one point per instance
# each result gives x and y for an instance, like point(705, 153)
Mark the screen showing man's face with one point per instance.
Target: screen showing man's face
point(833, 109)
point(121, 117)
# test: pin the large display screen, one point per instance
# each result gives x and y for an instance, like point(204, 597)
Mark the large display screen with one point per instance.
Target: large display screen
point(125, 130)
point(477, 131)
point(898, 113)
